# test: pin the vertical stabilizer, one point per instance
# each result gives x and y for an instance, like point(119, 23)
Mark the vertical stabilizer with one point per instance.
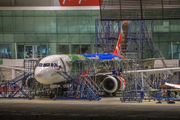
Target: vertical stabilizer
point(122, 39)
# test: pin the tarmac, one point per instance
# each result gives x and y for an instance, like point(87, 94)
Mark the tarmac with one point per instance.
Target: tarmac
point(108, 108)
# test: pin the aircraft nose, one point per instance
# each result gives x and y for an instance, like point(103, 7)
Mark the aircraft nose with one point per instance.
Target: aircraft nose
point(38, 74)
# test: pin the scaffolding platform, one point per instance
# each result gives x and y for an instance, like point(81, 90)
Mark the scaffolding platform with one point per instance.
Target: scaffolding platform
point(17, 87)
point(79, 87)
point(13, 88)
point(132, 96)
point(137, 39)
point(160, 95)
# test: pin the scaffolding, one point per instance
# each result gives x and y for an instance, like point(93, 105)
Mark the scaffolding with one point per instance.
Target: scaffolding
point(79, 87)
point(80, 81)
point(137, 39)
point(17, 87)
point(13, 88)
point(106, 35)
point(140, 41)
point(83, 81)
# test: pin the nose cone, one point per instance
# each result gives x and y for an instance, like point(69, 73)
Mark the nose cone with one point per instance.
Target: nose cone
point(44, 75)
point(39, 75)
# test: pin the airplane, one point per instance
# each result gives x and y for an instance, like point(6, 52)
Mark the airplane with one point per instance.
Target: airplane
point(45, 73)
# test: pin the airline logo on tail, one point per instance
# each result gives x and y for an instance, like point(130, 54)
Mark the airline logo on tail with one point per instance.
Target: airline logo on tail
point(117, 51)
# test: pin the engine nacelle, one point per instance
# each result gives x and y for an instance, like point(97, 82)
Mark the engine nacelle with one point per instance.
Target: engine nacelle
point(112, 84)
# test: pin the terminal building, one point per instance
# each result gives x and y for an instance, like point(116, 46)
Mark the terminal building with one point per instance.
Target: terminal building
point(46, 27)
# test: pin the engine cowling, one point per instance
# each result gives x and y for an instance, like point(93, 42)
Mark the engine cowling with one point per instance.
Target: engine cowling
point(112, 84)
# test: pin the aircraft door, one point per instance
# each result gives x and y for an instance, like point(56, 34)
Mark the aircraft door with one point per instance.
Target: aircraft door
point(62, 65)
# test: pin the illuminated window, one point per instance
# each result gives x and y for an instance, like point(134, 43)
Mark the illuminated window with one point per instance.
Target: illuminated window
point(46, 65)
point(55, 65)
point(40, 64)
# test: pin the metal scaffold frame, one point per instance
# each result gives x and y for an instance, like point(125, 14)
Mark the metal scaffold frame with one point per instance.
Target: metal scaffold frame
point(137, 39)
point(82, 80)
point(16, 88)
point(106, 35)
point(10, 89)
point(140, 41)
point(138, 35)
point(81, 87)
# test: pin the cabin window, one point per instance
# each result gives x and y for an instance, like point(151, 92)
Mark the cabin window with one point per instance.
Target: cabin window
point(40, 65)
point(51, 64)
point(46, 65)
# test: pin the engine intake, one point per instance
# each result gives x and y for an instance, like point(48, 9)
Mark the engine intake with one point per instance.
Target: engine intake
point(110, 84)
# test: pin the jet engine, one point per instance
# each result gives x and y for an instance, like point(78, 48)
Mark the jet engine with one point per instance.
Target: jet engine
point(111, 84)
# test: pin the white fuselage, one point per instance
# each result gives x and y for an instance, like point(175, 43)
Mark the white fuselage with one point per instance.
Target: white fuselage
point(45, 72)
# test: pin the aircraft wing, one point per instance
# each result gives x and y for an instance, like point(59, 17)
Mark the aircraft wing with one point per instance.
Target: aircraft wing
point(172, 85)
point(154, 71)
point(17, 68)
point(148, 71)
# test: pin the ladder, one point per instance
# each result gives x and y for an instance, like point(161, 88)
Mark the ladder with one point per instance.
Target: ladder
point(11, 88)
point(80, 87)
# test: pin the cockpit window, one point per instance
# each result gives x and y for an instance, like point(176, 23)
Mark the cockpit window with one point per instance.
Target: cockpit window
point(51, 64)
point(55, 65)
point(40, 65)
point(46, 65)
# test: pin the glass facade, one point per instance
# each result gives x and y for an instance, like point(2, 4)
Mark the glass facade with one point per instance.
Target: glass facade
point(166, 38)
point(49, 32)
point(53, 31)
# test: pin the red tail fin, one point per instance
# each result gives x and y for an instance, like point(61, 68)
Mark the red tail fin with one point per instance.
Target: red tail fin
point(117, 51)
